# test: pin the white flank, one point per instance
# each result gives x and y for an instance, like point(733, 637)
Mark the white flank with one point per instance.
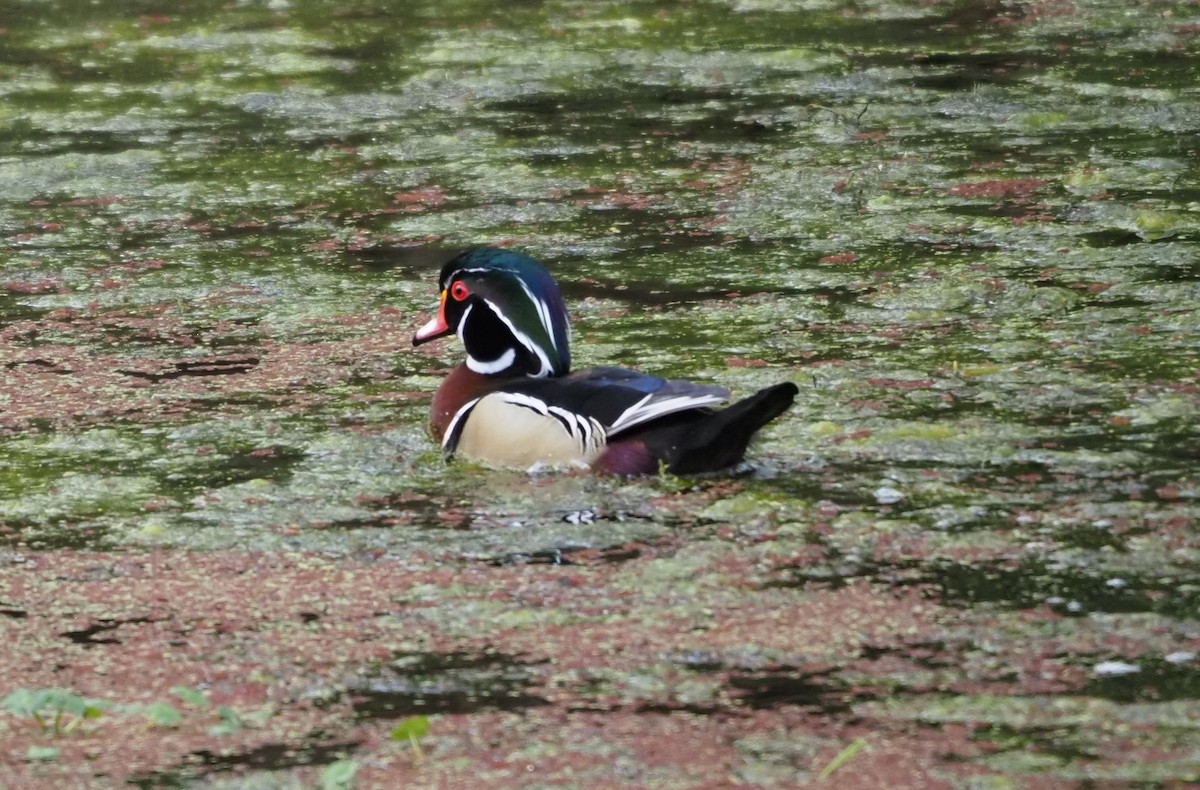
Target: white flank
point(515, 430)
point(589, 433)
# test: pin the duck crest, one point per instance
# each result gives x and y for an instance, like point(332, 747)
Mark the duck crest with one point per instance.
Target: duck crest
point(508, 312)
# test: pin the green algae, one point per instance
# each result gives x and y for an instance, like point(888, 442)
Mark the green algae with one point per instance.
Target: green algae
point(975, 253)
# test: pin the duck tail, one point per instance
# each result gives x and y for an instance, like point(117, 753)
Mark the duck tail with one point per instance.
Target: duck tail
point(718, 440)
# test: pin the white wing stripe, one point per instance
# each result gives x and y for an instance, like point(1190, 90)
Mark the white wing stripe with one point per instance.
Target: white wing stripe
point(626, 415)
point(647, 409)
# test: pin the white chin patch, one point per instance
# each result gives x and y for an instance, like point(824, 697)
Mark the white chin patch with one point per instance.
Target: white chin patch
point(489, 367)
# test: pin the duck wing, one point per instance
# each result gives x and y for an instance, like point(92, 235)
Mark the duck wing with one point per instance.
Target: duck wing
point(619, 398)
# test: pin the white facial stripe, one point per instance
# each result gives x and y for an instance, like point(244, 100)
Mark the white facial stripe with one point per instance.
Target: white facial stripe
point(495, 365)
point(544, 316)
point(445, 285)
point(543, 311)
point(524, 340)
point(485, 367)
point(463, 322)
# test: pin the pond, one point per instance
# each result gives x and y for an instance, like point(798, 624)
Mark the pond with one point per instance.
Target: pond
point(968, 231)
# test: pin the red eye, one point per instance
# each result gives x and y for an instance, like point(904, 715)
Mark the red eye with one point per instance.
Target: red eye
point(459, 291)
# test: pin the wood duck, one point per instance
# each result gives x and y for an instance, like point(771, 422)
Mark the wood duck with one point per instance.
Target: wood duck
point(515, 403)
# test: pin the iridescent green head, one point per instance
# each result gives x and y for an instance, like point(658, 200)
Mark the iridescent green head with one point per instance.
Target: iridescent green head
point(508, 312)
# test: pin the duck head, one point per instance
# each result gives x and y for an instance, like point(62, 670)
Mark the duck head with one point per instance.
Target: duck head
point(508, 312)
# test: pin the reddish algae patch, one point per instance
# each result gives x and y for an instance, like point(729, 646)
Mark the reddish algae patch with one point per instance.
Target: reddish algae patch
point(718, 681)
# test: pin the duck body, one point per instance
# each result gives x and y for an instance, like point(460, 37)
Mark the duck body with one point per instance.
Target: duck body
point(514, 403)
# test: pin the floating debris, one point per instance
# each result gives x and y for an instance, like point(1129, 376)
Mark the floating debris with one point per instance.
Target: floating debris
point(886, 495)
point(1115, 668)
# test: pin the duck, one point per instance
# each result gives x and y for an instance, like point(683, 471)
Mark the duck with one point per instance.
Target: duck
point(515, 402)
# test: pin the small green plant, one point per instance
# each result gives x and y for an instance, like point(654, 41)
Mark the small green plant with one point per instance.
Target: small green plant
point(161, 714)
point(56, 711)
point(41, 753)
point(671, 483)
point(164, 714)
point(412, 729)
point(59, 712)
point(842, 758)
point(190, 696)
point(338, 775)
point(233, 721)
